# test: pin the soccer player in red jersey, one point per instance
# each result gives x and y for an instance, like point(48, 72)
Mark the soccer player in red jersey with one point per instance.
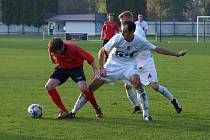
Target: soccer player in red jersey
point(69, 59)
point(109, 29)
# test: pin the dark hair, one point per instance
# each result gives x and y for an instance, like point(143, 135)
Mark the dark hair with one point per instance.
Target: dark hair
point(131, 26)
point(56, 44)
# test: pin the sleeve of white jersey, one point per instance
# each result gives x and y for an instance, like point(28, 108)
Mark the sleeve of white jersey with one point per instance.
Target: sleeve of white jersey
point(145, 44)
point(111, 43)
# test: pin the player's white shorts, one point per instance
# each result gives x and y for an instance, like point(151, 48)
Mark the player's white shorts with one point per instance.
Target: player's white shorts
point(119, 71)
point(146, 71)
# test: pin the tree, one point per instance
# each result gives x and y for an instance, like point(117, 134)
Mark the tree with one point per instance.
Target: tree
point(25, 12)
point(135, 6)
point(73, 6)
point(179, 9)
point(101, 6)
point(0, 11)
point(38, 12)
point(152, 10)
point(171, 10)
point(6, 12)
point(208, 9)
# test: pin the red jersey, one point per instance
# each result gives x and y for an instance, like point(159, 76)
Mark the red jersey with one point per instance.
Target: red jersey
point(72, 57)
point(109, 29)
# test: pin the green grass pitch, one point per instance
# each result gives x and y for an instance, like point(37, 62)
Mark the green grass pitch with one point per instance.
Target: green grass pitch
point(25, 67)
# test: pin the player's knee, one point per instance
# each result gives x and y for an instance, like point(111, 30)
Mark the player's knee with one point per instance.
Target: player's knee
point(155, 87)
point(128, 87)
point(83, 89)
point(49, 86)
point(136, 82)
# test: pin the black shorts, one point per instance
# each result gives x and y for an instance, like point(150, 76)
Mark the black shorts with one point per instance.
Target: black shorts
point(62, 74)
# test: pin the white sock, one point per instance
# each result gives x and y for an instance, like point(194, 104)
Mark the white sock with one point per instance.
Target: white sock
point(165, 92)
point(132, 97)
point(143, 100)
point(81, 101)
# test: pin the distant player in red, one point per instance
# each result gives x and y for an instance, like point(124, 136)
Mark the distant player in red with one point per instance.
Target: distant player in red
point(69, 59)
point(109, 29)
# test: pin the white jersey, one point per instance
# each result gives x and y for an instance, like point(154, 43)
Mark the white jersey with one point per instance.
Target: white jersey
point(139, 31)
point(121, 50)
point(143, 24)
point(144, 55)
point(121, 63)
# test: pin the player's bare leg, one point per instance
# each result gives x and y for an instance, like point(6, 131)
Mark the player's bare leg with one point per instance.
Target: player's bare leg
point(81, 101)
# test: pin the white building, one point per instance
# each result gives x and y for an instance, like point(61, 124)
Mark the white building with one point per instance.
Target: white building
point(76, 23)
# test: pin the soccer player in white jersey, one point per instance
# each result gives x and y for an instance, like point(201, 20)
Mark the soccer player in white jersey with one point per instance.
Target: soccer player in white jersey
point(147, 71)
point(120, 65)
point(139, 31)
point(141, 23)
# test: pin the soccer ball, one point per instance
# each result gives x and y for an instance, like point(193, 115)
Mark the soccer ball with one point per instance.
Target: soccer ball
point(35, 111)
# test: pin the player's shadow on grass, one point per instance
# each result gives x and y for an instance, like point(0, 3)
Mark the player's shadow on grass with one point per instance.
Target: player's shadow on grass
point(157, 124)
point(195, 126)
point(47, 118)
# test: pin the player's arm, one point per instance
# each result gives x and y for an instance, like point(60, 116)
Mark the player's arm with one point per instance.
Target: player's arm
point(50, 56)
point(106, 49)
point(101, 58)
point(145, 30)
point(90, 59)
point(95, 69)
point(171, 53)
point(103, 30)
point(146, 27)
point(147, 45)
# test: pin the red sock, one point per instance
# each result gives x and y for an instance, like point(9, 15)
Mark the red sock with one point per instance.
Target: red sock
point(57, 100)
point(90, 97)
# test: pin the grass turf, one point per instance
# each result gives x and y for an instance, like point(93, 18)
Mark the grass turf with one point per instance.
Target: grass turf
point(25, 68)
